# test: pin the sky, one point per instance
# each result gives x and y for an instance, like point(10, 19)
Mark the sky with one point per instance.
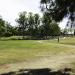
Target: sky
point(9, 9)
point(63, 23)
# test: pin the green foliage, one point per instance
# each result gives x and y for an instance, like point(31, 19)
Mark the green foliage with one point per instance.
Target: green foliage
point(22, 21)
point(30, 25)
point(54, 29)
point(2, 27)
point(59, 9)
point(8, 29)
point(46, 20)
point(37, 27)
point(49, 27)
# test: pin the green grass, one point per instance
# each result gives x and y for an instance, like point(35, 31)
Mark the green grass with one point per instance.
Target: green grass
point(13, 51)
point(69, 41)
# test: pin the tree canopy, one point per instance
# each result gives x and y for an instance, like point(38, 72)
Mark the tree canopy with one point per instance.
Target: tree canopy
point(36, 27)
point(59, 9)
point(30, 25)
point(2, 27)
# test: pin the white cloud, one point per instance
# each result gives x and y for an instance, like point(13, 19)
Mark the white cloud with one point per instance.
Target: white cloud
point(9, 9)
point(63, 23)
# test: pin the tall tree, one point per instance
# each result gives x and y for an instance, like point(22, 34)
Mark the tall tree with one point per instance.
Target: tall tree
point(36, 25)
point(54, 29)
point(2, 27)
point(22, 21)
point(49, 27)
point(8, 29)
point(59, 9)
point(46, 20)
point(36, 20)
point(31, 23)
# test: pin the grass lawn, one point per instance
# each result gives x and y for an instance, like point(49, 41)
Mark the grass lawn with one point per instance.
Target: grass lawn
point(13, 51)
point(22, 50)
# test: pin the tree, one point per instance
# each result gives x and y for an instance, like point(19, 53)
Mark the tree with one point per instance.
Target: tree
point(46, 20)
point(59, 9)
point(8, 29)
point(31, 23)
point(15, 30)
point(36, 20)
point(2, 27)
point(54, 29)
point(36, 25)
point(49, 27)
point(22, 21)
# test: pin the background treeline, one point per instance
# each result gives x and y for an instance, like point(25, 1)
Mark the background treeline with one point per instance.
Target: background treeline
point(31, 26)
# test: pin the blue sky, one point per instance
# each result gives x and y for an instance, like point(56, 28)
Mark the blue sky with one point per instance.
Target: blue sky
point(9, 9)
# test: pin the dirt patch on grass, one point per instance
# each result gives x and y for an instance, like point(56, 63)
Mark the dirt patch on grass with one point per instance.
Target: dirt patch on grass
point(55, 62)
